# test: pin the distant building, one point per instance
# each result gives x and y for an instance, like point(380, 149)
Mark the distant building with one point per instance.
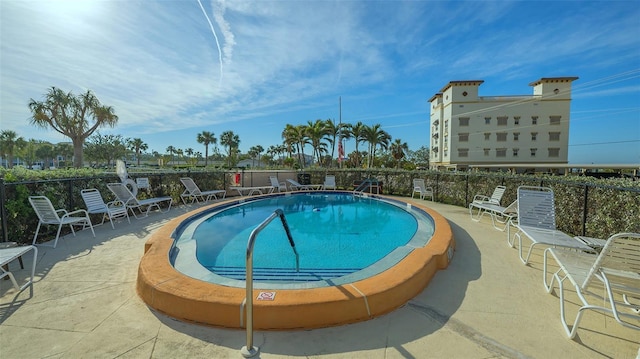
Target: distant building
point(467, 129)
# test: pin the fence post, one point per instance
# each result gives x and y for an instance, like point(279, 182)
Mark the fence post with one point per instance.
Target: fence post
point(584, 210)
point(3, 211)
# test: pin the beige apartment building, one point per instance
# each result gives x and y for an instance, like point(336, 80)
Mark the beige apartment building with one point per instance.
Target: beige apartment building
point(472, 130)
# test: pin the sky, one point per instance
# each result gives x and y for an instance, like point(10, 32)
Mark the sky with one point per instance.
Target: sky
point(172, 69)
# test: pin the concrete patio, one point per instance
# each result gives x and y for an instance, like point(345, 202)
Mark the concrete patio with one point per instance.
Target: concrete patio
point(486, 304)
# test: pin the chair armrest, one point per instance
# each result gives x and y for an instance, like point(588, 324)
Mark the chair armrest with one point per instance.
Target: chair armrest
point(69, 214)
point(481, 198)
point(64, 211)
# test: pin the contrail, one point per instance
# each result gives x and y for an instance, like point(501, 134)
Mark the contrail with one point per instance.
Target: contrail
point(216, 37)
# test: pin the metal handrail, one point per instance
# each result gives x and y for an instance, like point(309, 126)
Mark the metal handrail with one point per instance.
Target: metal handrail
point(249, 350)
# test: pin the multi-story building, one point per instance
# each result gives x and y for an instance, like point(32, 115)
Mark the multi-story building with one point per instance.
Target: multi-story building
point(472, 130)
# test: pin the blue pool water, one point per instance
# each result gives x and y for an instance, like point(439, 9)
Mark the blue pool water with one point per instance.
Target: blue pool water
point(336, 235)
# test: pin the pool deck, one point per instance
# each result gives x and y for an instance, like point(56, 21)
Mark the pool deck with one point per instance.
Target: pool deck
point(486, 304)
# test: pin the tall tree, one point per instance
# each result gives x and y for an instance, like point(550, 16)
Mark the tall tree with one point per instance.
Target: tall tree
point(137, 145)
point(171, 151)
point(76, 117)
point(316, 132)
point(231, 141)
point(357, 132)
point(398, 150)
point(10, 143)
point(256, 152)
point(375, 136)
point(297, 135)
point(206, 138)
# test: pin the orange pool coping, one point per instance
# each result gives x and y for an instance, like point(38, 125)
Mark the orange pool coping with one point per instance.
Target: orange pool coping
point(168, 291)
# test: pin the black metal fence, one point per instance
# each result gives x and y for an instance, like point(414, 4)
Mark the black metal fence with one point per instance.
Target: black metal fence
point(582, 207)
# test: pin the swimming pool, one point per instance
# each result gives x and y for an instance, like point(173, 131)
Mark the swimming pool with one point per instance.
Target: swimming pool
point(337, 235)
point(290, 305)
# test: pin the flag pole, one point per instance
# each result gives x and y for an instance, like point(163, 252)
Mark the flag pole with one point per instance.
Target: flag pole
point(341, 145)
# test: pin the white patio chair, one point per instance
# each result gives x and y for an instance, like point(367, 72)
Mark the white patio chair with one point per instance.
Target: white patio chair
point(193, 192)
point(537, 221)
point(296, 186)
point(280, 186)
point(420, 188)
point(501, 217)
point(495, 198)
point(95, 205)
point(329, 182)
point(611, 278)
point(48, 215)
point(125, 196)
point(8, 255)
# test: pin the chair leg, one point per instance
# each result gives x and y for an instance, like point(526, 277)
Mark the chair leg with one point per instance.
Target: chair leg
point(35, 237)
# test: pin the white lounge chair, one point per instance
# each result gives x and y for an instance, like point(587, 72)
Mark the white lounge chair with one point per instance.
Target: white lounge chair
point(95, 205)
point(329, 182)
point(495, 198)
point(296, 186)
point(7, 255)
point(193, 192)
point(125, 196)
point(611, 277)
point(420, 188)
point(48, 215)
point(280, 186)
point(501, 217)
point(537, 221)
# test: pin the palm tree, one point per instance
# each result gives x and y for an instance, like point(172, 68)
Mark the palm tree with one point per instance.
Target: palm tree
point(171, 151)
point(375, 136)
point(255, 152)
point(398, 150)
point(333, 133)
point(297, 135)
point(136, 145)
point(9, 144)
point(316, 132)
point(206, 138)
point(357, 133)
point(75, 117)
point(232, 141)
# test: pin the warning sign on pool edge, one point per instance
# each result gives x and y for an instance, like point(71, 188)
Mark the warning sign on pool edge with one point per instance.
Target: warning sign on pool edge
point(266, 296)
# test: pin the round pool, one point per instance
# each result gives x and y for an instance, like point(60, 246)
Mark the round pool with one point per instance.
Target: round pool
point(359, 257)
point(339, 238)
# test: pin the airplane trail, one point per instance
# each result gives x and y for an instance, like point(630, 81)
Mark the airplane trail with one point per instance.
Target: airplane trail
point(216, 37)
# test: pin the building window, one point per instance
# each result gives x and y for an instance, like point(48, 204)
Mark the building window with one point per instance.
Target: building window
point(502, 120)
point(463, 152)
point(516, 120)
point(516, 136)
point(446, 126)
point(487, 120)
point(435, 135)
point(534, 136)
point(554, 136)
point(464, 121)
point(501, 152)
point(501, 136)
point(486, 152)
point(554, 120)
point(463, 137)
point(554, 152)
point(533, 152)
point(534, 120)
point(515, 152)
point(445, 153)
point(487, 136)
point(436, 122)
